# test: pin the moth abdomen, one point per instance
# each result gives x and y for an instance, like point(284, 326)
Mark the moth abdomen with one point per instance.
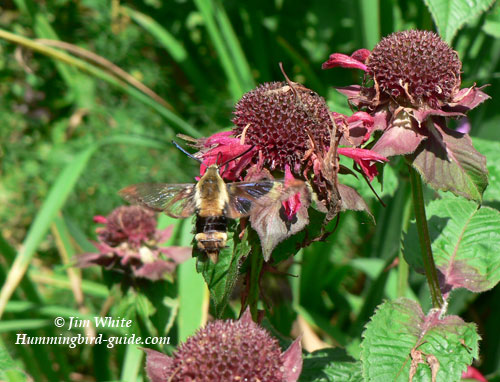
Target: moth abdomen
point(211, 224)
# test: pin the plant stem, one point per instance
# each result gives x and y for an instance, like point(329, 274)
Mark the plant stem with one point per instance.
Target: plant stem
point(256, 262)
point(425, 241)
point(403, 268)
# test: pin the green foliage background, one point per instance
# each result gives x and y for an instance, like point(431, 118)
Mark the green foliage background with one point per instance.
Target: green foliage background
point(200, 56)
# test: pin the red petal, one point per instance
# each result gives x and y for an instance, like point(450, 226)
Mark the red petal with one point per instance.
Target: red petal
point(224, 153)
point(364, 158)
point(293, 203)
point(361, 55)
point(473, 373)
point(100, 219)
point(222, 138)
point(344, 61)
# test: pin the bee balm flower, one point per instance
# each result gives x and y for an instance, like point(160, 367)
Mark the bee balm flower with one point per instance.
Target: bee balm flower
point(412, 82)
point(227, 351)
point(129, 240)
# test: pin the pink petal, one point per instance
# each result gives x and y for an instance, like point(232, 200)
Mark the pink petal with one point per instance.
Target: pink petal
point(222, 138)
point(468, 98)
point(422, 115)
point(293, 203)
point(344, 61)
point(100, 219)
point(292, 361)
point(364, 158)
point(361, 121)
point(154, 271)
point(289, 178)
point(398, 141)
point(163, 235)
point(177, 254)
point(158, 365)
point(361, 55)
point(473, 373)
point(246, 317)
point(224, 153)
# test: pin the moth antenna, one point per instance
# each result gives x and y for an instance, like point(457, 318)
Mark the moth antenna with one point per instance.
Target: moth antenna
point(185, 152)
point(236, 157)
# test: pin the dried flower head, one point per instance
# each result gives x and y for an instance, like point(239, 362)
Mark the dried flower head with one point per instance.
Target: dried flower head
point(415, 67)
point(227, 351)
point(127, 224)
point(279, 119)
point(129, 241)
point(412, 82)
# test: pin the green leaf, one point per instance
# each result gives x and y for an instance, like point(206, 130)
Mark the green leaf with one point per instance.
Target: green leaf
point(330, 365)
point(227, 46)
point(9, 372)
point(448, 161)
point(451, 15)
point(464, 238)
point(491, 150)
point(491, 25)
point(132, 364)
point(399, 334)
point(222, 276)
point(465, 241)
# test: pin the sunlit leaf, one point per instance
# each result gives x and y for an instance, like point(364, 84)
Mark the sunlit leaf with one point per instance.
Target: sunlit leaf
point(451, 15)
point(465, 243)
point(221, 276)
point(400, 340)
point(330, 365)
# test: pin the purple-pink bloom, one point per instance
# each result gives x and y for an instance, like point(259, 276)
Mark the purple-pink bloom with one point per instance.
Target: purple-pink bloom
point(129, 241)
point(411, 77)
point(227, 351)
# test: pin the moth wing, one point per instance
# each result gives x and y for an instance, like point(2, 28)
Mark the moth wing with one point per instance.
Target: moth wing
point(243, 195)
point(176, 200)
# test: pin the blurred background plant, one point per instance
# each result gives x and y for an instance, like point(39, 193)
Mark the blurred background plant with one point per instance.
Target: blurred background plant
point(75, 130)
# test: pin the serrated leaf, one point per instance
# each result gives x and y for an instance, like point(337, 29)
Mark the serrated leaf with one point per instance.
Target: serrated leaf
point(465, 243)
point(330, 365)
point(448, 161)
point(9, 370)
point(451, 15)
point(491, 150)
point(221, 276)
point(400, 335)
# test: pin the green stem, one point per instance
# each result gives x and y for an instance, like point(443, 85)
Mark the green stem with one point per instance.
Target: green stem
point(403, 268)
point(256, 263)
point(424, 238)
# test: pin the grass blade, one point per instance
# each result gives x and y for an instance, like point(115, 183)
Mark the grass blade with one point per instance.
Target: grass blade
point(235, 82)
point(170, 116)
point(53, 203)
point(193, 293)
point(370, 14)
point(132, 363)
point(55, 200)
point(171, 45)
